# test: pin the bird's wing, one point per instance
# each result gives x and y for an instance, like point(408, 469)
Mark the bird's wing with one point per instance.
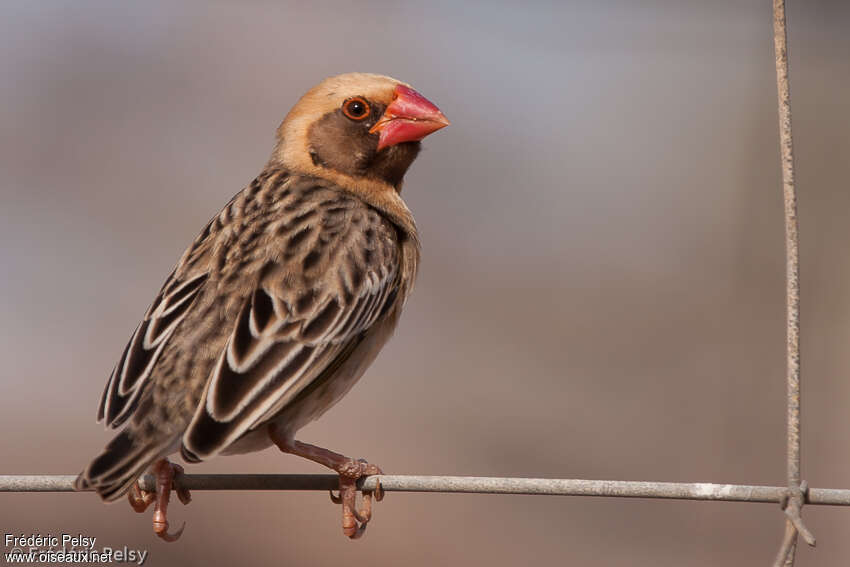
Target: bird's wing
point(130, 376)
point(312, 305)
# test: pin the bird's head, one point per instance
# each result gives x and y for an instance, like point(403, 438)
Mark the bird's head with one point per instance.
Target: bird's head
point(357, 127)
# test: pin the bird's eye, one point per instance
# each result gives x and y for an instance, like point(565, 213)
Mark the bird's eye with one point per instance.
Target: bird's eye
point(355, 108)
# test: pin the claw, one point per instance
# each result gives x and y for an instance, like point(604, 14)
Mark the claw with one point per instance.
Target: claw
point(364, 514)
point(361, 529)
point(335, 498)
point(172, 538)
point(140, 499)
point(162, 532)
point(183, 494)
point(167, 479)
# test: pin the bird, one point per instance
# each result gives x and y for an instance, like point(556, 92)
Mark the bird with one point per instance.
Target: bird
point(278, 306)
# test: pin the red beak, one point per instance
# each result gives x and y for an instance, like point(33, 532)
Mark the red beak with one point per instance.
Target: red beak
point(409, 118)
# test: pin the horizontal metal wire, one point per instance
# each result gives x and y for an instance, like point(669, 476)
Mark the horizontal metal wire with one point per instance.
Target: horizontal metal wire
point(465, 484)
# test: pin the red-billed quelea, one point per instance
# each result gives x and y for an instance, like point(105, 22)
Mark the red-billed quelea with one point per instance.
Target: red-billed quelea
point(279, 305)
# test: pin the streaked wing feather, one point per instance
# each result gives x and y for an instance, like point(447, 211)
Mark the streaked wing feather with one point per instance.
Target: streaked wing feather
point(130, 375)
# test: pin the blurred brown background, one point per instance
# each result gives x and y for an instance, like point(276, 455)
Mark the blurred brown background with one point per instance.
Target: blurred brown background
point(601, 294)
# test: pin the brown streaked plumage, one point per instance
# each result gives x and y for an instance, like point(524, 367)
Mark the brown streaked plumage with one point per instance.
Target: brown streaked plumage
point(280, 304)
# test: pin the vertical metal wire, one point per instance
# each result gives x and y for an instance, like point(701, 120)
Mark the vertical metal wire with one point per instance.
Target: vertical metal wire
point(796, 496)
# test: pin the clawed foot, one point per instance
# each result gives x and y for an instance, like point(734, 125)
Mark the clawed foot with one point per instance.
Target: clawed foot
point(354, 519)
point(165, 473)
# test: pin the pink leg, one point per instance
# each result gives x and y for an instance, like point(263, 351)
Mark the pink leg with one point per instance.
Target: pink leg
point(354, 520)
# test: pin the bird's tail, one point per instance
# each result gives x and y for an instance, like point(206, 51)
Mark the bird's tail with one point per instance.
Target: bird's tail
point(114, 471)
